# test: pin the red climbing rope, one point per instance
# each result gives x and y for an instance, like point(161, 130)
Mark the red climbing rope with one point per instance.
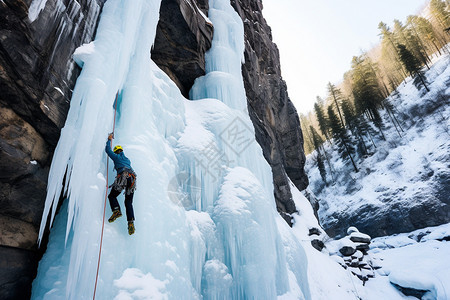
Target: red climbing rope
point(104, 206)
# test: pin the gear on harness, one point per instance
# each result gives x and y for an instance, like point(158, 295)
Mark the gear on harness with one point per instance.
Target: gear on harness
point(125, 180)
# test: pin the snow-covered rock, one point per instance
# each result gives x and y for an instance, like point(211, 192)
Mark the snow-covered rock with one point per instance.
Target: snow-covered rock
point(352, 229)
point(359, 237)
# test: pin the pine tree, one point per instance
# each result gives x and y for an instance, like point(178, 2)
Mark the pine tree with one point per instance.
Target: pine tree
point(337, 97)
point(378, 122)
point(389, 49)
point(321, 149)
point(365, 89)
point(366, 92)
point(373, 66)
point(318, 145)
point(440, 20)
point(423, 28)
point(321, 167)
point(406, 37)
point(341, 137)
point(321, 118)
point(357, 125)
point(439, 11)
point(412, 65)
point(308, 141)
point(317, 140)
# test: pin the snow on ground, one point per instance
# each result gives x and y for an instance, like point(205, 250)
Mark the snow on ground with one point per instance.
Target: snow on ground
point(417, 260)
point(421, 266)
point(135, 285)
point(401, 169)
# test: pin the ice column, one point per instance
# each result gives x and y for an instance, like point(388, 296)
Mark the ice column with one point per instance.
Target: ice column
point(227, 164)
point(150, 112)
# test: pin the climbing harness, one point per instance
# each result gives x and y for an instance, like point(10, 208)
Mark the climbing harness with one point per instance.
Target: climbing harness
point(125, 180)
point(104, 206)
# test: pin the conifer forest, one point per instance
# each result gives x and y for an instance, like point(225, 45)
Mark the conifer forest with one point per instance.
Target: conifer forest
point(349, 117)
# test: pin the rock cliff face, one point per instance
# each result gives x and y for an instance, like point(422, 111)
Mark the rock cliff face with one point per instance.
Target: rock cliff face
point(37, 76)
point(274, 117)
point(183, 36)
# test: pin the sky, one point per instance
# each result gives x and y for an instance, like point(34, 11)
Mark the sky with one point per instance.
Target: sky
point(318, 38)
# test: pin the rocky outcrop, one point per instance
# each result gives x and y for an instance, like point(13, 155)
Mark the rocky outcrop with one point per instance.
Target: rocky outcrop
point(317, 237)
point(274, 117)
point(351, 254)
point(183, 36)
point(421, 210)
point(411, 292)
point(37, 75)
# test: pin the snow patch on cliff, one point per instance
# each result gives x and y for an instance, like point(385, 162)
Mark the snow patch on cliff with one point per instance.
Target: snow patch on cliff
point(35, 9)
point(82, 53)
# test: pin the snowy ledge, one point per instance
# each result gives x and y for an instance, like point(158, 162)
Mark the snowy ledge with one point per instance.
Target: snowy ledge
point(82, 53)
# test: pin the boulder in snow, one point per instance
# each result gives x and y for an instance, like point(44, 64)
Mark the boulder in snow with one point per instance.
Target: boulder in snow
point(314, 231)
point(352, 229)
point(318, 244)
point(347, 250)
point(358, 254)
point(359, 237)
point(362, 246)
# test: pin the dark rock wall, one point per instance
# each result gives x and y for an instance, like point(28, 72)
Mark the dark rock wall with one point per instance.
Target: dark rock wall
point(182, 38)
point(37, 75)
point(274, 117)
point(416, 212)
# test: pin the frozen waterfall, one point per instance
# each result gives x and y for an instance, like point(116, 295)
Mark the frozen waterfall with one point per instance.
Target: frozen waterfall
point(206, 221)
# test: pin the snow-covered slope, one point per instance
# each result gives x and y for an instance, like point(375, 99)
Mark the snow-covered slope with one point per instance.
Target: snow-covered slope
point(417, 262)
point(405, 184)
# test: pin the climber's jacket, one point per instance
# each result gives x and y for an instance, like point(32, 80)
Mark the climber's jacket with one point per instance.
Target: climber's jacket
point(126, 177)
point(121, 162)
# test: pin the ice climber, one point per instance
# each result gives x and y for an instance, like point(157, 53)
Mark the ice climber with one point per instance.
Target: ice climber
point(125, 179)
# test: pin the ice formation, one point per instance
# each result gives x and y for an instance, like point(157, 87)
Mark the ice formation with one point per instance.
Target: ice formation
point(35, 8)
point(206, 221)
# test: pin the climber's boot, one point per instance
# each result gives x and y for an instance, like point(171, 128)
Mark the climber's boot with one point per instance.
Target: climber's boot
point(131, 228)
point(116, 214)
